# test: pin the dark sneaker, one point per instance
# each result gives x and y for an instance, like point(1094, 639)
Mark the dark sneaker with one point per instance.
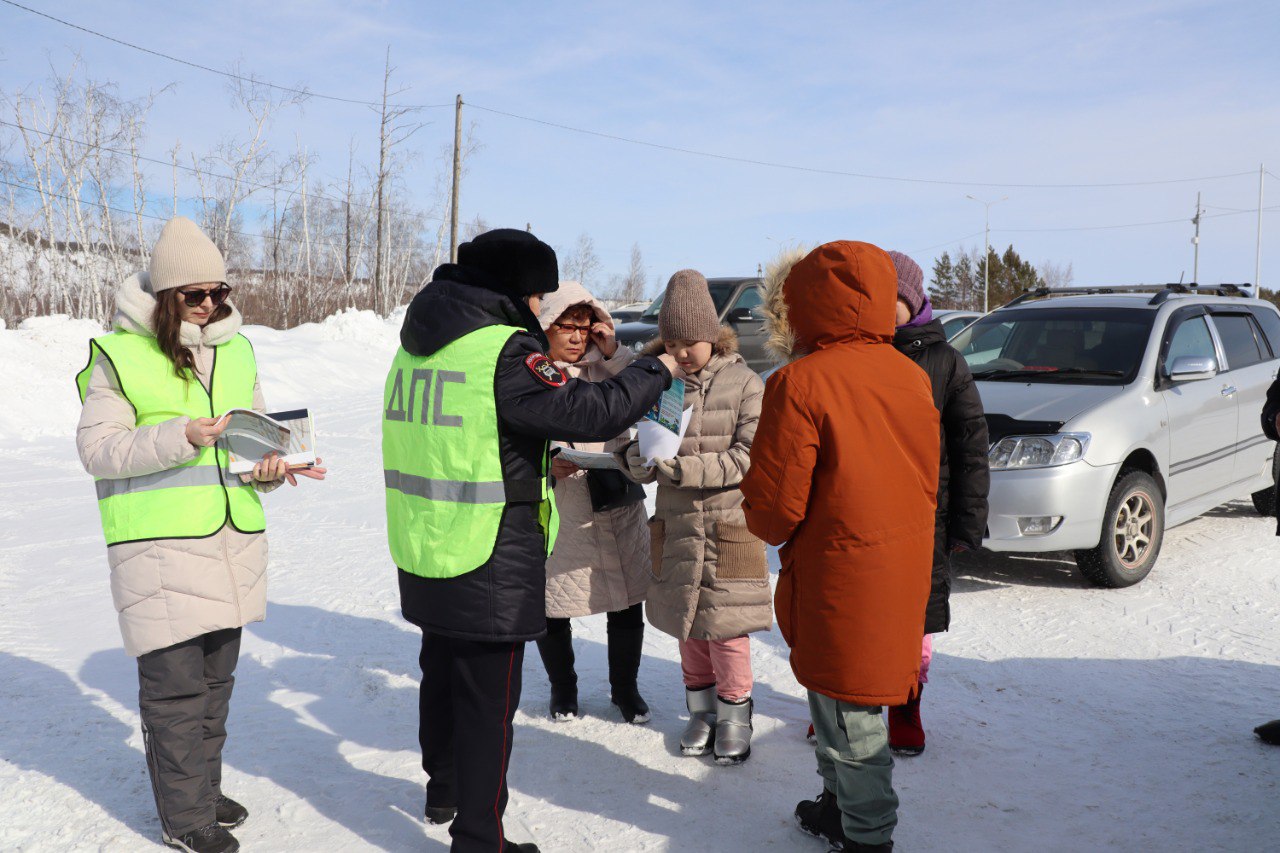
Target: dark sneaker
point(209, 839)
point(821, 817)
point(229, 813)
point(441, 814)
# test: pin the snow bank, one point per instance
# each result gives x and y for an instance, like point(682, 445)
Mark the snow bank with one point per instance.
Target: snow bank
point(39, 362)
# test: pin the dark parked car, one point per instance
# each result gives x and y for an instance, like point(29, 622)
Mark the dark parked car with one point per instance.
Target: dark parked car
point(628, 313)
point(738, 302)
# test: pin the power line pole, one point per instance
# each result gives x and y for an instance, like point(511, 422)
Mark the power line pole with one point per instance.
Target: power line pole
point(1195, 241)
point(1257, 257)
point(986, 250)
point(457, 179)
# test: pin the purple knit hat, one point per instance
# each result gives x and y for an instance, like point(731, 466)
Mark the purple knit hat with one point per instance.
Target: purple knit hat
point(910, 282)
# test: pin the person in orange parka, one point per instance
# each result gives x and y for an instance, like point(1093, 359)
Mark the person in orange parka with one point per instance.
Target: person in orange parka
point(844, 471)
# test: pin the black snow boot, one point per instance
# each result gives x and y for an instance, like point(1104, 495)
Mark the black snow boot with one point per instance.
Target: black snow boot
point(847, 846)
point(527, 847)
point(440, 814)
point(1269, 732)
point(556, 650)
point(626, 646)
point(208, 839)
point(821, 817)
point(228, 812)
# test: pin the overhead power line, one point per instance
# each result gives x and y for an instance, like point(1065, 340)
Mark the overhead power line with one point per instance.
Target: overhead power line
point(1125, 225)
point(169, 164)
point(638, 142)
point(254, 80)
point(144, 215)
point(842, 173)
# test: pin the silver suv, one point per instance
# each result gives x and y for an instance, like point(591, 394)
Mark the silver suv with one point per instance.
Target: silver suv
point(1117, 412)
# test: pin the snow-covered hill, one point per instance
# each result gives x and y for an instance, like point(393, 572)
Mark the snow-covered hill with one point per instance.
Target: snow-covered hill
point(1060, 718)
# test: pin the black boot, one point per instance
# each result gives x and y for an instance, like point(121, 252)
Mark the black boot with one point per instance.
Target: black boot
point(821, 817)
point(625, 649)
point(228, 812)
point(556, 650)
point(1269, 732)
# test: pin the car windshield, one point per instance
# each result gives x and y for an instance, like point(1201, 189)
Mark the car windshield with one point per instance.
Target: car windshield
point(720, 295)
point(1097, 346)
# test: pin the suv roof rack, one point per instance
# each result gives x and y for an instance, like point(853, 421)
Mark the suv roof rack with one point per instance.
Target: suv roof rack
point(1161, 292)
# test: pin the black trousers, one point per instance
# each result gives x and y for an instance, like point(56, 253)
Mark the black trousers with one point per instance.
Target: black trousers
point(184, 694)
point(629, 617)
point(470, 692)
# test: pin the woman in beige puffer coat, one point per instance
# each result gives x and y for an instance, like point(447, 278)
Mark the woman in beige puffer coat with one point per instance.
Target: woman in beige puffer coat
point(711, 582)
point(601, 559)
point(181, 601)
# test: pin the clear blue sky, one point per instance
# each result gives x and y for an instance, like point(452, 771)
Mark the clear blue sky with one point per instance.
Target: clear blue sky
point(1017, 92)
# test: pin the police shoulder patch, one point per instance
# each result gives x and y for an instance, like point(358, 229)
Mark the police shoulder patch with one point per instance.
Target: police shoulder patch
point(545, 370)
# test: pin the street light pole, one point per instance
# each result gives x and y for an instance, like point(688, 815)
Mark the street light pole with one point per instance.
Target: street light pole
point(986, 249)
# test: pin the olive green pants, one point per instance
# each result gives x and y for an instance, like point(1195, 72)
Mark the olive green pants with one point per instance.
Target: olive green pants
point(856, 765)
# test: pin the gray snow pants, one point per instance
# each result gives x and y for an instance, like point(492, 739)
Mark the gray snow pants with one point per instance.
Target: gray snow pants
point(856, 765)
point(184, 694)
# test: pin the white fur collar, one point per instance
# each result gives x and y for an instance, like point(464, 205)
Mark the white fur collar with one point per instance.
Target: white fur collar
point(135, 304)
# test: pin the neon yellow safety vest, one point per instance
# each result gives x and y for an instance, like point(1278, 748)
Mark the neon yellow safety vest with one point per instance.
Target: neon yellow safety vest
point(196, 499)
point(446, 488)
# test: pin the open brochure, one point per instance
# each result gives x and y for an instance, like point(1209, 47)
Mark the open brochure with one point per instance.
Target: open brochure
point(666, 412)
point(587, 459)
point(659, 442)
point(249, 436)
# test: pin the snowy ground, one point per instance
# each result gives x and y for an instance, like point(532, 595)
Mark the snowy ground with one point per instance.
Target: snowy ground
point(1059, 717)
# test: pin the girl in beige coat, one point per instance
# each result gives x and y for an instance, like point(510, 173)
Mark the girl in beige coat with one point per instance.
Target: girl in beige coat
point(181, 602)
point(710, 587)
point(601, 559)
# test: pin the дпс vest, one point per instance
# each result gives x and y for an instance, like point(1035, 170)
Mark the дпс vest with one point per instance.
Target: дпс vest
point(196, 499)
point(445, 484)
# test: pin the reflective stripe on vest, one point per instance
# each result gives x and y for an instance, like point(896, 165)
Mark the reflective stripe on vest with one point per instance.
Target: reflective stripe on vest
point(193, 500)
point(446, 490)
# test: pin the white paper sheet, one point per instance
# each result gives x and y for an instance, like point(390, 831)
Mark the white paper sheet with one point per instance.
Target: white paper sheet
point(658, 442)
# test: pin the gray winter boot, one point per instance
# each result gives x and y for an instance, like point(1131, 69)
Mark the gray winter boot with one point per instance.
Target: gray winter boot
point(701, 730)
point(733, 731)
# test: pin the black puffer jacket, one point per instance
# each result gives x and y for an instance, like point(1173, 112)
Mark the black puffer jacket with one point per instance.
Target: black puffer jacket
point(504, 599)
point(963, 479)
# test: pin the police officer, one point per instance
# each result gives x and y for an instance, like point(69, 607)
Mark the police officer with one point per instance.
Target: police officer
point(470, 404)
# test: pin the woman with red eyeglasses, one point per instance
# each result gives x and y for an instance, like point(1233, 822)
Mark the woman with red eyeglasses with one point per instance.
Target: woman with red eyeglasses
point(601, 560)
point(185, 538)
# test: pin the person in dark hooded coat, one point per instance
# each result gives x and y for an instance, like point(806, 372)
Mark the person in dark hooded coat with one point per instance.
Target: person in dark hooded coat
point(963, 478)
point(475, 624)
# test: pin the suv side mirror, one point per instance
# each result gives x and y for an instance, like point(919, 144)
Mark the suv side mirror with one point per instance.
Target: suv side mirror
point(741, 315)
point(1189, 368)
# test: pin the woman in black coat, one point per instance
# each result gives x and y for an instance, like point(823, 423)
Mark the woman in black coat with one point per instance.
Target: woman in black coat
point(963, 478)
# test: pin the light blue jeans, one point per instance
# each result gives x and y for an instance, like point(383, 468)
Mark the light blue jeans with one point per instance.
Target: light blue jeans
point(856, 765)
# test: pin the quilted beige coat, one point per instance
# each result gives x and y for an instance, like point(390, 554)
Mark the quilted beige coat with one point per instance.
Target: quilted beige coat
point(601, 559)
point(168, 590)
point(711, 581)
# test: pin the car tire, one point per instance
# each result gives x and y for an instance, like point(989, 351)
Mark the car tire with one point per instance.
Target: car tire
point(1132, 532)
point(1265, 501)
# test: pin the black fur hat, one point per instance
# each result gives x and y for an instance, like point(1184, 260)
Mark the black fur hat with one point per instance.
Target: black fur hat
point(515, 261)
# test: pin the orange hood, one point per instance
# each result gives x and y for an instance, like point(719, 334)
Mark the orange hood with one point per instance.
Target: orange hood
point(840, 292)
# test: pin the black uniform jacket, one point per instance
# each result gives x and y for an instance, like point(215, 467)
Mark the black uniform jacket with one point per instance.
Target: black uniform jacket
point(503, 600)
point(963, 479)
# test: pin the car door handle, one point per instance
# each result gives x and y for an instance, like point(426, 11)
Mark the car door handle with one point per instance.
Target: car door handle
point(1228, 390)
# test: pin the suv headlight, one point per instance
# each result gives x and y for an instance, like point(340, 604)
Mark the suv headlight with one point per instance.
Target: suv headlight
point(1038, 451)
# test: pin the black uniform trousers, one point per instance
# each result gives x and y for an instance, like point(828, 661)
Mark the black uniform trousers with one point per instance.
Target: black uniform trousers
point(470, 692)
point(184, 694)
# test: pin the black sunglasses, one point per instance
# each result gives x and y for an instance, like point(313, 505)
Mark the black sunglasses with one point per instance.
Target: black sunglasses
point(194, 298)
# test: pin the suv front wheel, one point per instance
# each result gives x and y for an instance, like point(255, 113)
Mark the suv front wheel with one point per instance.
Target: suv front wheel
point(1132, 531)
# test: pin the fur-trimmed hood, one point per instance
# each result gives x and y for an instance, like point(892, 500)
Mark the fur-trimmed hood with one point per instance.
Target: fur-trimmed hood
point(136, 305)
point(725, 345)
point(839, 292)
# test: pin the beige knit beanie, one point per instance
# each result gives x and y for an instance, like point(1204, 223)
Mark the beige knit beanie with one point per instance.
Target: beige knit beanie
point(687, 312)
point(184, 255)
